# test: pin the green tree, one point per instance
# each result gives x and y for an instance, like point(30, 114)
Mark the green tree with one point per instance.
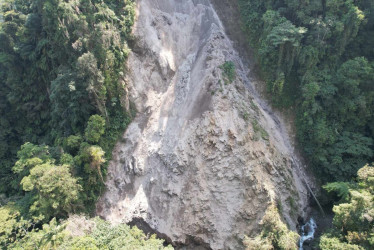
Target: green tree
point(315, 56)
point(102, 235)
point(29, 156)
point(12, 225)
point(60, 63)
point(353, 217)
point(51, 236)
point(55, 190)
point(95, 128)
point(70, 104)
point(97, 159)
point(72, 143)
point(88, 71)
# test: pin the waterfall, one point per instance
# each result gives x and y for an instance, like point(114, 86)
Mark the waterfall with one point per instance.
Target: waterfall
point(307, 232)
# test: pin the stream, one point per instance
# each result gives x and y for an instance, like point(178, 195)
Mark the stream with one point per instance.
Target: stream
point(307, 232)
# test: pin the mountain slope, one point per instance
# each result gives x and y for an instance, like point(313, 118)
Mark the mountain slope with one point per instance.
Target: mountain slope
point(205, 156)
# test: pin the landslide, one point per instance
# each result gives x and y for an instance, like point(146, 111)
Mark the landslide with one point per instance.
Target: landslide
point(205, 157)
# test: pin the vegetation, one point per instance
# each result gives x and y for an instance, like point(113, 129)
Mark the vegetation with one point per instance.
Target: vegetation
point(101, 235)
point(61, 70)
point(259, 132)
point(274, 235)
point(61, 62)
point(354, 215)
point(318, 57)
point(62, 107)
point(353, 223)
point(228, 72)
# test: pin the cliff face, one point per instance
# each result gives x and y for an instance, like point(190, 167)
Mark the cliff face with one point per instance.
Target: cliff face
point(204, 158)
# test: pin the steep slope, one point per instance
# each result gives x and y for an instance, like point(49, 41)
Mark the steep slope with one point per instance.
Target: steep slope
point(204, 158)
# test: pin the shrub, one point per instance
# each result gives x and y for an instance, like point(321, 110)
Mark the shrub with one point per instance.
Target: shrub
point(228, 73)
point(95, 128)
point(274, 234)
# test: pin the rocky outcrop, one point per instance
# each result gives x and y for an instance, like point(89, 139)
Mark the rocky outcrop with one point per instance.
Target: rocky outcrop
point(204, 158)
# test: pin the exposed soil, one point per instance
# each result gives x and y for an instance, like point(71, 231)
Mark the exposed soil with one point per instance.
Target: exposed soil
point(203, 159)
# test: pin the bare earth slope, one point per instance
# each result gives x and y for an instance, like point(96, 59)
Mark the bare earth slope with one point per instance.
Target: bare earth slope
point(196, 164)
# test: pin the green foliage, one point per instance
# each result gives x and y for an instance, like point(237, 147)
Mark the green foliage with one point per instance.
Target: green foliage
point(330, 243)
point(59, 189)
point(340, 188)
point(60, 63)
point(229, 72)
point(29, 156)
point(259, 131)
point(55, 191)
point(353, 217)
point(89, 72)
point(72, 143)
point(67, 159)
point(315, 56)
point(122, 237)
point(51, 189)
point(103, 235)
point(95, 155)
point(274, 234)
point(49, 237)
point(95, 129)
point(12, 224)
point(281, 44)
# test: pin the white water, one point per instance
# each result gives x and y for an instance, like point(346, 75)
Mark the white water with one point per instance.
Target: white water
point(307, 232)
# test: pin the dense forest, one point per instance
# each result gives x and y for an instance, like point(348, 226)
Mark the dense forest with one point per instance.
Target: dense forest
point(62, 107)
point(317, 57)
point(60, 64)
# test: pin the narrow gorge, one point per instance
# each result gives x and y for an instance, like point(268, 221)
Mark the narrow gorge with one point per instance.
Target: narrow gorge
point(205, 157)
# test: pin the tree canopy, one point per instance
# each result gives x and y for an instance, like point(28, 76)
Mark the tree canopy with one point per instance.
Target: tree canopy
point(317, 56)
point(61, 62)
point(354, 214)
point(62, 107)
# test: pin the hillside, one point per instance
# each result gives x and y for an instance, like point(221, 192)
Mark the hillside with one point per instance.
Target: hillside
point(196, 124)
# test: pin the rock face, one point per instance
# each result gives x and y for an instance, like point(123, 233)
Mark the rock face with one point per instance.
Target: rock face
point(204, 157)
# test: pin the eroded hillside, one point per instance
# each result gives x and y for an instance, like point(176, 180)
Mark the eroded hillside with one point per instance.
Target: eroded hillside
point(204, 157)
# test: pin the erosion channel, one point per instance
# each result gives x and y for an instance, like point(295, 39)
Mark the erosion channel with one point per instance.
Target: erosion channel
point(204, 157)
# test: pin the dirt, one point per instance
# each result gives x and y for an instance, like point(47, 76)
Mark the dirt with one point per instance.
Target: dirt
point(191, 165)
